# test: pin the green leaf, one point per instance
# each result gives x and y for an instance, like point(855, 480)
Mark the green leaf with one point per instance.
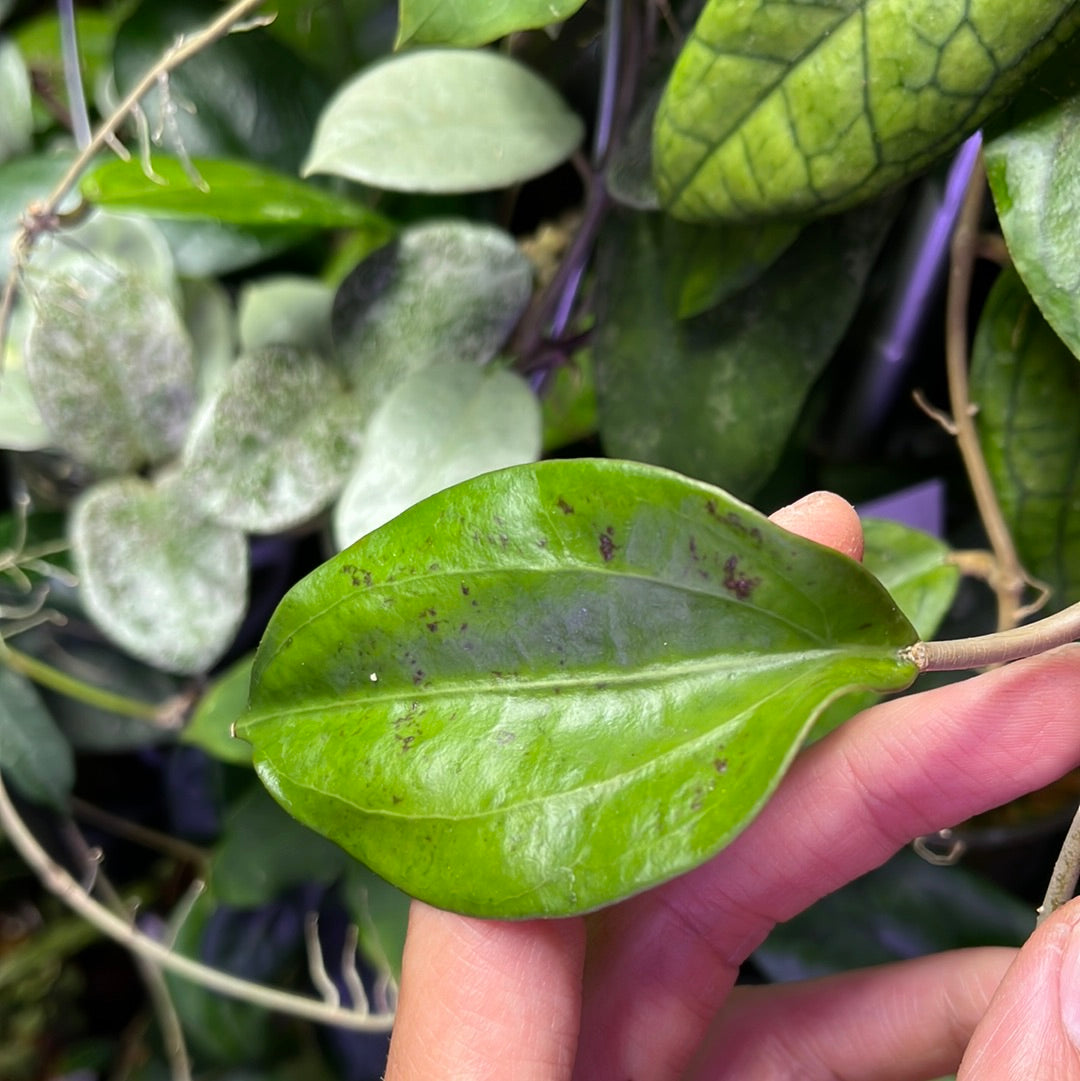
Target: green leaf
point(208, 315)
point(165, 585)
point(21, 426)
point(16, 118)
point(792, 109)
point(264, 852)
point(717, 396)
point(236, 192)
point(381, 914)
point(110, 365)
point(22, 182)
point(444, 120)
point(439, 427)
point(219, 708)
point(568, 402)
point(246, 97)
point(447, 290)
point(556, 685)
point(915, 568)
point(1026, 384)
point(437, 22)
point(907, 908)
point(274, 446)
point(1034, 171)
point(285, 310)
point(36, 759)
point(211, 248)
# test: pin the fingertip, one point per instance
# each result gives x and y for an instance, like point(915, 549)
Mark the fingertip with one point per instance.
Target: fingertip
point(826, 518)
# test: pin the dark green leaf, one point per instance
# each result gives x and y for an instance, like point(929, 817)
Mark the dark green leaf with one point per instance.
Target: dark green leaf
point(445, 120)
point(381, 913)
point(1034, 172)
point(264, 852)
point(717, 396)
point(440, 426)
point(338, 38)
point(1026, 384)
point(219, 708)
point(166, 585)
point(235, 192)
point(435, 22)
point(110, 365)
point(247, 96)
point(446, 290)
point(553, 686)
point(36, 759)
point(905, 909)
point(794, 109)
point(210, 248)
point(568, 403)
point(274, 446)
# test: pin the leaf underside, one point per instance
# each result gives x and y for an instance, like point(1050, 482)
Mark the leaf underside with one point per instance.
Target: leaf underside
point(553, 686)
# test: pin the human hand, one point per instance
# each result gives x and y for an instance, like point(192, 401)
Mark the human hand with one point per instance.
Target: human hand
point(644, 990)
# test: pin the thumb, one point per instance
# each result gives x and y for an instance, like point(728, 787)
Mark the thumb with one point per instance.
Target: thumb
point(1032, 1026)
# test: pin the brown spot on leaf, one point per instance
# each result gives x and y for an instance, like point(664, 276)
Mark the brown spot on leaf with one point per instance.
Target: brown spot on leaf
point(607, 545)
point(720, 765)
point(564, 506)
point(433, 627)
point(464, 590)
point(736, 582)
point(710, 507)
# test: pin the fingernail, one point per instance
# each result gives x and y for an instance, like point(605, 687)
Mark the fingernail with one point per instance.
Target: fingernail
point(1069, 986)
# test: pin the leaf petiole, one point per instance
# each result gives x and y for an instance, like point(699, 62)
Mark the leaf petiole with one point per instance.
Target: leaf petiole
point(997, 648)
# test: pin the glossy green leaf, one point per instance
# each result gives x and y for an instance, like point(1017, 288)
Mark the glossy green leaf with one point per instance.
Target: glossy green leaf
point(1034, 172)
point(915, 568)
point(264, 852)
point(165, 585)
point(446, 290)
point(246, 97)
point(274, 446)
point(556, 685)
point(16, 119)
point(717, 396)
point(445, 120)
point(110, 365)
point(905, 909)
point(793, 109)
point(1026, 384)
point(458, 22)
point(285, 310)
point(35, 758)
point(210, 727)
point(338, 38)
point(439, 427)
point(236, 192)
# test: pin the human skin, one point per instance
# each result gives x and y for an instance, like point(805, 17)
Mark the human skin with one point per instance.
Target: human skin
point(644, 990)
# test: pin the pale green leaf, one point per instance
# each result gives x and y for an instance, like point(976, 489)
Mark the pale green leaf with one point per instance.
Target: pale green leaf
point(555, 685)
point(110, 365)
point(1026, 384)
point(219, 708)
point(16, 118)
point(211, 322)
point(439, 427)
point(717, 396)
point(162, 583)
point(285, 310)
point(275, 444)
point(446, 120)
point(464, 22)
point(446, 290)
point(21, 426)
point(35, 758)
point(1034, 172)
point(792, 109)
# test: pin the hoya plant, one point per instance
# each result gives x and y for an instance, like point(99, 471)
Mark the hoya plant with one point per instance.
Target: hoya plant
point(387, 391)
